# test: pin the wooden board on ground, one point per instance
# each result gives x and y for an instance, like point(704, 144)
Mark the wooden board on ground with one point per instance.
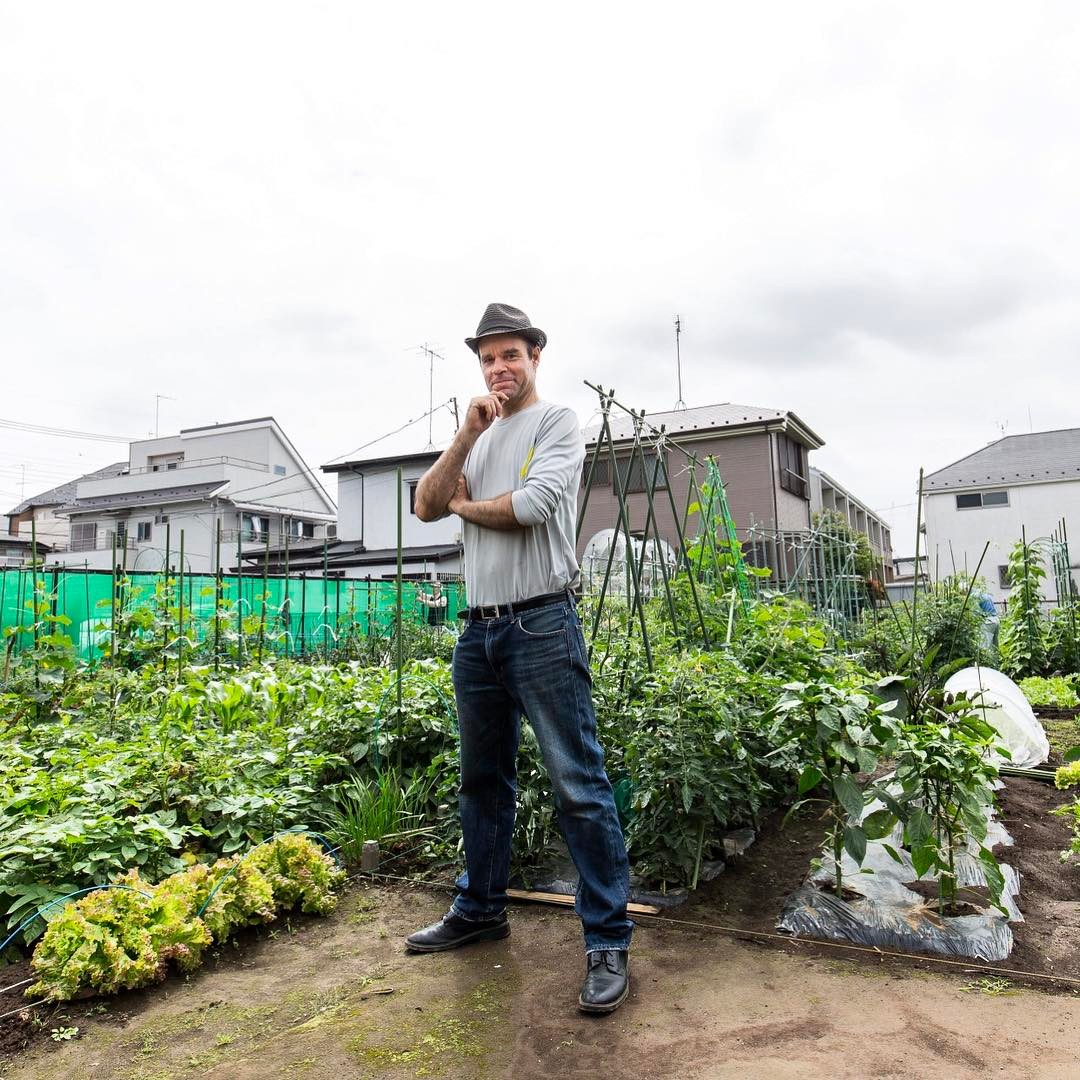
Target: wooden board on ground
point(568, 901)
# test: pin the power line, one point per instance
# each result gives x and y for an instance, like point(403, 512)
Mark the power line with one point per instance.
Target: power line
point(408, 423)
point(64, 433)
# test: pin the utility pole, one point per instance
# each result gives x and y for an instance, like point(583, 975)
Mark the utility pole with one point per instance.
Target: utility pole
point(432, 356)
point(158, 399)
point(680, 404)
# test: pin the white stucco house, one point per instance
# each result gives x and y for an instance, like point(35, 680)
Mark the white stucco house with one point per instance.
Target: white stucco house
point(246, 477)
point(1019, 483)
point(367, 534)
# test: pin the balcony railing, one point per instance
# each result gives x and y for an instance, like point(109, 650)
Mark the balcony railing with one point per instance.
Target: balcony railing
point(101, 542)
point(191, 463)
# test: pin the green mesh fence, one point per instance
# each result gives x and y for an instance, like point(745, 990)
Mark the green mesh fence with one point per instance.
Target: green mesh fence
point(301, 614)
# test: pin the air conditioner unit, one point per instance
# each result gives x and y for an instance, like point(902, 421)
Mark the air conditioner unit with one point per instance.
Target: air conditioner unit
point(331, 532)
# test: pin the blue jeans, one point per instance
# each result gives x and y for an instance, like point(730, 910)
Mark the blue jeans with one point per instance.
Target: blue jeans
point(535, 663)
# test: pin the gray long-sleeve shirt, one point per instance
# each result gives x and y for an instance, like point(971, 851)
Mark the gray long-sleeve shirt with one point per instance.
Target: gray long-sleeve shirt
point(536, 454)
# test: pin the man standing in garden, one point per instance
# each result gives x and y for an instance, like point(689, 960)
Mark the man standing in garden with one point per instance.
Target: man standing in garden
point(511, 474)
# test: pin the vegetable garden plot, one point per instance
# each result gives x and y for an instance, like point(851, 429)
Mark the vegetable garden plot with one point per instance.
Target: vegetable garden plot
point(883, 909)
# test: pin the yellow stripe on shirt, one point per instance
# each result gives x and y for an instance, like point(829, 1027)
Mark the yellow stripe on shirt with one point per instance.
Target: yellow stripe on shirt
point(528, 461)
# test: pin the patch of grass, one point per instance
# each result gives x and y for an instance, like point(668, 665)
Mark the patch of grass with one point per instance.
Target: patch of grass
point(364, 911)
point(990, 987)
point(1063, 734)
point(376, 809)
point(462, 1030)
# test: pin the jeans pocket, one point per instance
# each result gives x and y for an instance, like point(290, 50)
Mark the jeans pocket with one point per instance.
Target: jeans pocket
point(542, 623)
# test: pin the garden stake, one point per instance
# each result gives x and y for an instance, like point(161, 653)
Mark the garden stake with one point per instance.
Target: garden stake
point(649, 482)
point(303, 611)
point(180, 613)
point(262, 613)
point(400, 658)
point(915, 581)
point(682, 547)
point(217, 599)
point(165, 591)
point(239, 592)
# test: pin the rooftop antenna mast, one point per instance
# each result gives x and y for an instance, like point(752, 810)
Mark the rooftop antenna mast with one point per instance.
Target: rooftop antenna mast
point(432, 356)
point(680, 404)
point(158, 399)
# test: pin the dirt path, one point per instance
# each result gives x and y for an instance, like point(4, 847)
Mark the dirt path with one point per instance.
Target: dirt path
point(340, 998)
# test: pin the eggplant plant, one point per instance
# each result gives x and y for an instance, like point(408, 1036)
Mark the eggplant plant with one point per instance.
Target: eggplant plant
point(946, 775)
point(841, 732)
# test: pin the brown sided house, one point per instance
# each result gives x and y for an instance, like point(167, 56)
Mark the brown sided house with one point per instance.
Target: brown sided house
point(761, 453)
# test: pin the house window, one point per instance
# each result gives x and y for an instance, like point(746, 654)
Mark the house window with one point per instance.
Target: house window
point(792, 466)
point(254, 527)
point(301, 530)
point(121, 534)
point(638, 474)
point(602, 472)
point(412, 496)
point(161, 462)
point(161, 519)
point(144, 531)
point(1003, 577)
point(972, 500)
point(83, 536)
point(279, 470)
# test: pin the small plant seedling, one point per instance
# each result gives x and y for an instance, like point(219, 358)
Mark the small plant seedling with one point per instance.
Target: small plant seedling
point(64, 1034)
point(990, 987)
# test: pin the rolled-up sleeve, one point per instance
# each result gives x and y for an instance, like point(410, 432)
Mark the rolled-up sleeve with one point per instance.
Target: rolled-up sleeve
point(554, 465)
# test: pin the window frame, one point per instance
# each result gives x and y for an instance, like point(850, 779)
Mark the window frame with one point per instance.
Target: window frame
point(792, 480)
point(982, 504)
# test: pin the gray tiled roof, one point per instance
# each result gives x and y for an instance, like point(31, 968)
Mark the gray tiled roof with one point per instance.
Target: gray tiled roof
point(1016, 459)
point(702, 418)
point(155, 497)
point(64, 493)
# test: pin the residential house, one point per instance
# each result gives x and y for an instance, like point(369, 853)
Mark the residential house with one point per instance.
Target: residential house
point(1020, 483)
point(15, 550)
point(242, 481)
point(367, 533)
point(38, 513)
point(828, 494)
point(762, 455)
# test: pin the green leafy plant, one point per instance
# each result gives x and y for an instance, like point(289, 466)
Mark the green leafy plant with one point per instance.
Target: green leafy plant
point(377, 808)
point(124, 938)
point(1055, 692)
point(944, 769)
point(1023, 629)
point(842, 732)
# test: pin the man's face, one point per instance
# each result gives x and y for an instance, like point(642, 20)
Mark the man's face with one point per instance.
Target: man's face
point(509, 365)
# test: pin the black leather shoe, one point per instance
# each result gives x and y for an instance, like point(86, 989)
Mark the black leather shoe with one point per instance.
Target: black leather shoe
point(607, 981)
point(452, 931)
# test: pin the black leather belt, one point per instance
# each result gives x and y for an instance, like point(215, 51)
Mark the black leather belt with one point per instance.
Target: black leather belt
point(495, 611)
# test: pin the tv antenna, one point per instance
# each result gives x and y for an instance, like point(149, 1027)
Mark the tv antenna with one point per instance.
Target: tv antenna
point(432, 356)
point(158, 399)
point(680, 404)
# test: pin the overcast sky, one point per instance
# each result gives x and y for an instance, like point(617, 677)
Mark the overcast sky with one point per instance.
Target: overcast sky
point(866, 213)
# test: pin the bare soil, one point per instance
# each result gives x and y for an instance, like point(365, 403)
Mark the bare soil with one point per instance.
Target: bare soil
point(340, 997)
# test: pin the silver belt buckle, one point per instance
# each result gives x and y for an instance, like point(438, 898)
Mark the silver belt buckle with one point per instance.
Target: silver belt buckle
point(489, 611)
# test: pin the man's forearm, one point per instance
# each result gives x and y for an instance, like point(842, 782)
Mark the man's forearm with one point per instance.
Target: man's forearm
point(497, 513)
point(438, 484)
